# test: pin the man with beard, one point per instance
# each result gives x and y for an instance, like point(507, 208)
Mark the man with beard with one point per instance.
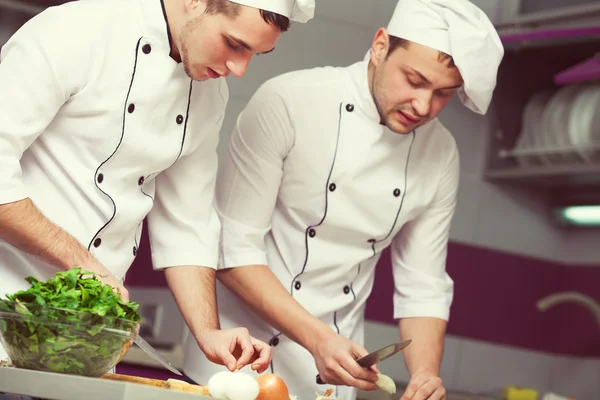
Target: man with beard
point(111, 112)
point(329, 166)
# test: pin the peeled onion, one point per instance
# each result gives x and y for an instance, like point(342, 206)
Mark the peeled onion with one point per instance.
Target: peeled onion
point(386, 383)
point(272, 387)
point(217, 384)
point(241, 386)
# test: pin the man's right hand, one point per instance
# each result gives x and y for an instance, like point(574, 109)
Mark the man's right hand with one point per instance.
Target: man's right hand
point(336, 361)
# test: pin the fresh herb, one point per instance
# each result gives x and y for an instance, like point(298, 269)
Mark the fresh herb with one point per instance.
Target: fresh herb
point(72, 323)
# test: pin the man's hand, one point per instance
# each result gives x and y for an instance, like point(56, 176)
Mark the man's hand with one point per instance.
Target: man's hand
point(336, 361)
point(424, 386)
point(235, 348)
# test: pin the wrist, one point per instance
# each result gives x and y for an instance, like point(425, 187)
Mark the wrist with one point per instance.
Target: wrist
point(319, 334)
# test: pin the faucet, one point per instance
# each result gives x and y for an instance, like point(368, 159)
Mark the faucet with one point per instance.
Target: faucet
point(549, 301)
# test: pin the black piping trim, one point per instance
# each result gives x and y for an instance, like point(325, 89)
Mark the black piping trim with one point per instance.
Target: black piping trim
point(403, 195)
point(146, 194)
point(271, 364)
point(352, 283)
point(326, 199)
point(337, 328)
point(137, 46)
point(187, 115)
point(169, 37)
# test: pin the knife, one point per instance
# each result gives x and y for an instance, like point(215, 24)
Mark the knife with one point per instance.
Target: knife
point(377, 356)
point(148, 349)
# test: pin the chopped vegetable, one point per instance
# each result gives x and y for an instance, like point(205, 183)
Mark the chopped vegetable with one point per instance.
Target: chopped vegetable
point(386, 384)
point(72, 323)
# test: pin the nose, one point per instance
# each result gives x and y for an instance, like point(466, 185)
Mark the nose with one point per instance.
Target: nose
point(422, 104)
point(238, 67)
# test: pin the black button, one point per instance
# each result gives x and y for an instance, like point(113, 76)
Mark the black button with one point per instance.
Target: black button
point(371, 240)
point(97, 242)
point(147, 49)
point(100, 178)
point(297, 285)
point(134, 251)
point(346, 289)
point(396, 192)
point(274, 342)
point(311, 232)
point(131, 108)
point(332, 187)
point(349, 107)
point(141, 181)
point(179, 119)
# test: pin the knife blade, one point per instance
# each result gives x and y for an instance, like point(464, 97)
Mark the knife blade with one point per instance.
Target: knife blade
point(381, 354)
point(148, 349)
point(377, 356)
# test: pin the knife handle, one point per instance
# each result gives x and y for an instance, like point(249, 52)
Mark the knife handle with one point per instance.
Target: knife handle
point(319, 380)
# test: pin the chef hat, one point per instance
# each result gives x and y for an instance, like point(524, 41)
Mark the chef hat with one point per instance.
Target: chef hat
point(296, 10)
point(462, 30)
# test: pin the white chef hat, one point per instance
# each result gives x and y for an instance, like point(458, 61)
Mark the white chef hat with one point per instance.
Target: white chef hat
point(462, 30)
point(296, 10)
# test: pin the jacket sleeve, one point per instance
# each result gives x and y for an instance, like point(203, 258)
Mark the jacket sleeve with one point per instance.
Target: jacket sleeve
point(183, 226)
point(41, 66)
point(250, 176)
point(422, 286)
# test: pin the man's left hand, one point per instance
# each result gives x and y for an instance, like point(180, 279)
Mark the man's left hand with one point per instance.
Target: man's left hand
point(424, 386)
point(235, 349)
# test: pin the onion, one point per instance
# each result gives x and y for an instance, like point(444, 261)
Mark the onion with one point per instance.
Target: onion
point(272, 387)
point(386, 384)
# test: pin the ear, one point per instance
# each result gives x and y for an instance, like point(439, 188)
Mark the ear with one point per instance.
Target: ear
point(380, 46)
point(193, 5)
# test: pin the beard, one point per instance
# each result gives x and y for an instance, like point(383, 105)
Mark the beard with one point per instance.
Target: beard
point(379, 93)
point(186, 32)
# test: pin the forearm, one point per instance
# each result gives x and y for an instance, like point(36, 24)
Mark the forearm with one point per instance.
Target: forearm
point(194, 291)
point(23, 226)
point(427, 346)
point(258, 287)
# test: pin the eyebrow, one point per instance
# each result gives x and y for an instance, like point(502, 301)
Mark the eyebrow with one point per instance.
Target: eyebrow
point(246, 45)
point(420, 75)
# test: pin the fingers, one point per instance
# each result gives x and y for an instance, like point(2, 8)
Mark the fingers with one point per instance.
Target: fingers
point(243, 340)
point(423, 388)
point(363, 378)
point(339, 375)
point(375, 369)
point(262, 353)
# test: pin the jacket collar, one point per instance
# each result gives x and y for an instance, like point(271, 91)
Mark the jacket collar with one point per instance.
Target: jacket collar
point(156, 25)
point(360, 91)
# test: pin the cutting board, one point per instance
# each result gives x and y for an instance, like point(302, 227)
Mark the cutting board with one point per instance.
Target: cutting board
point(173, 384)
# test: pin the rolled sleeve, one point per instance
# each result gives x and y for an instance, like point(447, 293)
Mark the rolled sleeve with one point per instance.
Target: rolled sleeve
point(250, 175)
point(36, 78)
point(183, 225)
point(423, 288)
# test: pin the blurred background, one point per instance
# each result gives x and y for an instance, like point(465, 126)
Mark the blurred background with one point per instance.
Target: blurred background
point(524, 250)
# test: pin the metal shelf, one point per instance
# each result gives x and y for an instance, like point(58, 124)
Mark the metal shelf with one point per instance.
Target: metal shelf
point(548, 177)
point(523, 72)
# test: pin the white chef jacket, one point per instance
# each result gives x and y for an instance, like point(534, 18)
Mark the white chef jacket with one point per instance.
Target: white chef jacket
point(315, 187)
point(100, 127)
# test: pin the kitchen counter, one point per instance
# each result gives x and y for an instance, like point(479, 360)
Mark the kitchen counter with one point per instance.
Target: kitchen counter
point(53, 386)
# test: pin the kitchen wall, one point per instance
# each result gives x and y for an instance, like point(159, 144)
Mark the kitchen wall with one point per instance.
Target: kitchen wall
point(504, 254)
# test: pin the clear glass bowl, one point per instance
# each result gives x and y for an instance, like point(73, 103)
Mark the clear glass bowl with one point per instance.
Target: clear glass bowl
point(63, 341)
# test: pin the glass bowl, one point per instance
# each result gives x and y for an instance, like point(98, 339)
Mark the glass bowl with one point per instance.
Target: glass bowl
point(63, 341)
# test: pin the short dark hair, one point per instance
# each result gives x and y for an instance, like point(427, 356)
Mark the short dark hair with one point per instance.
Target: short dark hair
point(396, 42)
point(232, 10)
